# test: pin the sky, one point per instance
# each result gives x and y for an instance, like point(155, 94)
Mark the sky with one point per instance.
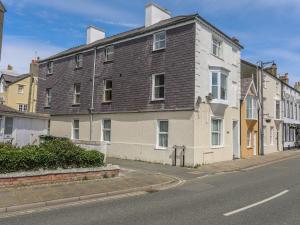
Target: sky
point(268, 29)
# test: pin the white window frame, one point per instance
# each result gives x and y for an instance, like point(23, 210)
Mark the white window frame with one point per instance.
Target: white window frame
point(21, 89)
point(50, 66)
point(219, 73)
point(253, 107)
point(78, 61)
point(158, 86)
point(159, 132)
point(75, 128)
point(161, 40)
point(23, 107)
point(216, 42)
point(105, 90)
point(48, 97)
point(103, 130)
point(109, 53)
point(280, 116)
point(76, 94)
point(249, 139)
point(221, 132)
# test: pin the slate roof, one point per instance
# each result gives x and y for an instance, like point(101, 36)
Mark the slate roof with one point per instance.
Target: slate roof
point(245, 84)
point(10, 79)
point(13, 112)
point(137, 31)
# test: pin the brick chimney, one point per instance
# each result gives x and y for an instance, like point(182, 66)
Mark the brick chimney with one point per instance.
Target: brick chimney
point(272, 69)
point(297, 86)
point(285, 78)
point(34, 68)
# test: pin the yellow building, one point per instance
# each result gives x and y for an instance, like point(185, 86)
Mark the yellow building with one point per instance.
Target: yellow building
point(249, 119)
point(19, 92)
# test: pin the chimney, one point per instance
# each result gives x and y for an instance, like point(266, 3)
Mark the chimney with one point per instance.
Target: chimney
point(285, 78)
point(155, 14)
point(10, 67)
point(297, 86)
point(235, 40)
point(272, 70)
point(34, 68)
point(94, 34)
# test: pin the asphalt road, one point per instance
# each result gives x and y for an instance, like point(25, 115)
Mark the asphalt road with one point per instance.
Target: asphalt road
point(268, 195)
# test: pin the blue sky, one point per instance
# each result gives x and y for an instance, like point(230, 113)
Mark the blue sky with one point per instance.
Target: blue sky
point(269, 29)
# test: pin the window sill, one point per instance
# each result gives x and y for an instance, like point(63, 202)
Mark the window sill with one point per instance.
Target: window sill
point(78, 68)
point(157, 100)
point(158, 50)
point(161, 149)
point(49, 74)
point(108, 61)
point(249, 147)
point(76, 105)
point(217, 146)
point(47, 107)
point(220, 101)
point(106, 102)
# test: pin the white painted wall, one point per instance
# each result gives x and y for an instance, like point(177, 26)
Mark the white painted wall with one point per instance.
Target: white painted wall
point(94, 34)
point(154, 14)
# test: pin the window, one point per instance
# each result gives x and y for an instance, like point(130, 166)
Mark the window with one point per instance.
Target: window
point(219, 85)
point(107, 91)
point(216, 132)
point(251, 107)
point(158, 87)
point(163, 134)
point(109, 53)
point(249, 139)
point(48, 97)
point(216, 47)
point(277, 110)
point(159, 41)
point(8, 127)
point(75, 134)
point(78, 60)
point(291, 111)
point(20, 89)
point(23, 107)
point(76, 94)
point(50, 68)
point(106, 130)
point(271, 135)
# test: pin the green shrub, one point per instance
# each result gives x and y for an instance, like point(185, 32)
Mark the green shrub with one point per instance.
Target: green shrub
point(49, 155)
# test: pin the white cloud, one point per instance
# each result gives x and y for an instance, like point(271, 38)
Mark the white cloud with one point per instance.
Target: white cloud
point(19, 51)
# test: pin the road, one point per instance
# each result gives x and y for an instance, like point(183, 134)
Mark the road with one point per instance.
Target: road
point(268, 195)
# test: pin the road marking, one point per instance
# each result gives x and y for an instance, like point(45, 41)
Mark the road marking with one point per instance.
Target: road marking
point(256, 204)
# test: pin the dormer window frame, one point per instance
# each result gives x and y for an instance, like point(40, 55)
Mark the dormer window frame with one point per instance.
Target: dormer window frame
point(50, 66)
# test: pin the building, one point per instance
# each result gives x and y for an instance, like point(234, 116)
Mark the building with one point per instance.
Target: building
point(19, 91)
point(291, 114)
point(21, 129)
point(249, 119)
point(2, 12)
point(272, 105)
point(173, 82)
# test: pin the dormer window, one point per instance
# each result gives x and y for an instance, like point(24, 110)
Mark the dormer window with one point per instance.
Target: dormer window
point(217, 47)
point(159, 41)
point(50, 67)
point(78, 61)
point(109, 53)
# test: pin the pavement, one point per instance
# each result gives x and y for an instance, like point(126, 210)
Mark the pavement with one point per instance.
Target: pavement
point(268, 195)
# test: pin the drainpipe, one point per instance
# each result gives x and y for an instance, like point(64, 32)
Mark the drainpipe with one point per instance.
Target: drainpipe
point(93, 90)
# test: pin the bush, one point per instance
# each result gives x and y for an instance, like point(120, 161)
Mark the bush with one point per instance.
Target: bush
point(49, 155)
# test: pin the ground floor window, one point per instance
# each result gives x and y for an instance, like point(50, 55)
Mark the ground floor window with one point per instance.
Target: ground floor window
point(216, 132)
point(163, 133)
point(23, 107)
point(8, 126)
point(75, 134)
point(106, 130)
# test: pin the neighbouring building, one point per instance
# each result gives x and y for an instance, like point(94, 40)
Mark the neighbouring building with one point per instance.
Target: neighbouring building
point(2, 12)
point(249, 118)
point(272, 105)
point(20, 128)
point(173, 82)
point(291, 114)
point(19, 91)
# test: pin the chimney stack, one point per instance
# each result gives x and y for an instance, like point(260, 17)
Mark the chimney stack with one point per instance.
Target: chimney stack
point(94, 34)
point(10, 67)
point(297, 86)
point(272, 70)
point(285, 78)
point(155, 14)
point(34, 68)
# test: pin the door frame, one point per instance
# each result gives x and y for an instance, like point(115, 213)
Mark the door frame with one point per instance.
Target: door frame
point(238, 149)
point(255, 143)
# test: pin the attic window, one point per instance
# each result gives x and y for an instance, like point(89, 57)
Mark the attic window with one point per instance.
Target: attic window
point(50, 67)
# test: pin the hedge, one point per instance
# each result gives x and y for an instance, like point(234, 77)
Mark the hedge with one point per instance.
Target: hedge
point(49, 155)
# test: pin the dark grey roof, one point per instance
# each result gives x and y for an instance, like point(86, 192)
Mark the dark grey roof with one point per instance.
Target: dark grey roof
point(6, 110)
point(3, 7)
point(21, 77)
point(245, 84)
point(135, 32)
point(9, 79)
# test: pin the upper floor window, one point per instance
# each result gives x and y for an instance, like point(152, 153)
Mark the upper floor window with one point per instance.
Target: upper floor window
point(277, 110)
point(109, 53)
point(216, 47)
point(159, 41)
point(107, 90)
point(20, 89)
point(219, 85)
point(48, 97)
point(50, 67)
point(158, 87)
point(76, 99)
point(78, 60)
point(251, 107)
point(23, 107)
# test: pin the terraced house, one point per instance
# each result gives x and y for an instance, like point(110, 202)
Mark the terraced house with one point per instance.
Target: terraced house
point(173, 82)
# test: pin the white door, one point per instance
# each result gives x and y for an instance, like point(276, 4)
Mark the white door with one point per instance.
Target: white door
point(235, 140)
point(254, 143)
